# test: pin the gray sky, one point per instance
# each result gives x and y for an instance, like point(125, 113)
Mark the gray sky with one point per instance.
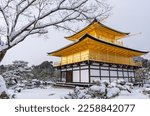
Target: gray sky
point(127, 16)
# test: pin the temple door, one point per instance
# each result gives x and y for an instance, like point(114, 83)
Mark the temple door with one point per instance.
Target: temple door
point(69, 77)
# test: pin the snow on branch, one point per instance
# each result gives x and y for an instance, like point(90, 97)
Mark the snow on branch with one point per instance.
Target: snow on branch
point(22, 18)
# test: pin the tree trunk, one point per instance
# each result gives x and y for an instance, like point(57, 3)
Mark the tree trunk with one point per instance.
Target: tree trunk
point(2, 54)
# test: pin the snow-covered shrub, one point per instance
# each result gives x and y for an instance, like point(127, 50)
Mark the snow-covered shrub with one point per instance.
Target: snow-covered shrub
point(146, 91)
point(113, 92)
point(122, 85)
point(105, 82)
point(121, 81)
point(98, 91)
point(78, 93)
point(3, 90)
point(143, 74)
point(101, 90)
point(16, 73)
point(18, 90)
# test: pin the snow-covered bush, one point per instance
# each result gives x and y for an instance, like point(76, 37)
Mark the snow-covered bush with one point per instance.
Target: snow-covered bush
point(146, 91)
point(112, 92)
point(16, 73)
point(97, 91)
point(101, 90)
point(3, 90)
point(78, 93)
point(122, 85)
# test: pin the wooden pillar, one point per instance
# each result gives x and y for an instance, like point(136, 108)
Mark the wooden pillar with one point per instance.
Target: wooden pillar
point(134, 74)
point(66, 72)
point(79, 73)
point(89, 71)
point(100, 71)
point(117, 73)
point(109, 73)
point(72, 72)
point(122, 72)
point(60, 75)
point(128, 75)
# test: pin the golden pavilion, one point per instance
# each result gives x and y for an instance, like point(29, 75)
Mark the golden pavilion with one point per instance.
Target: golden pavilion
point(97, 53)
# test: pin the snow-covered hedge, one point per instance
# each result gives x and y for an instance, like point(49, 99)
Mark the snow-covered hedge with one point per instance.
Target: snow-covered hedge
point(100, 90)
point(146, 91)
point(3, 90)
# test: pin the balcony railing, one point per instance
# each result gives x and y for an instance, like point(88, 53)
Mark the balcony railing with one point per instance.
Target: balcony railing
point(55, 64)
point(119, 43)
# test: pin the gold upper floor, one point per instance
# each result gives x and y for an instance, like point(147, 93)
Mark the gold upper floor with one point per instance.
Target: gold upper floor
point(97, 56)
point(89, 48)
point(100, 31)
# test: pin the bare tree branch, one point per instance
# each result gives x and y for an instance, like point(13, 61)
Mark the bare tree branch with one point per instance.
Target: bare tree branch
point(29, 17)
point(20, 12)
point(7, 24)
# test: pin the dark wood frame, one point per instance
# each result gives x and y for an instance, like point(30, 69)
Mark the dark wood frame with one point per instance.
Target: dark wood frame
point(90, 63)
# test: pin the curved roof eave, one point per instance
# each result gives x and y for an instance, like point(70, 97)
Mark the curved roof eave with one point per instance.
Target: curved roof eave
point(98, 40)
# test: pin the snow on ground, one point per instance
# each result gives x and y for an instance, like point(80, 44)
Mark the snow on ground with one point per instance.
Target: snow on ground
point(136, 93)
point(38, 93)
point(58, 93)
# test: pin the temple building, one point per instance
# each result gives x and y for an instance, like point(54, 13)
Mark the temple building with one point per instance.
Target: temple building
point(97, 53)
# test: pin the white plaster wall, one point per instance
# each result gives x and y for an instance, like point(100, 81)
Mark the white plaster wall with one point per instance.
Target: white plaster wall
point(113, 73)
point(69, 69)
point(95, 72)
point(97, 67)
point(120, 73)
point(76, 68)
point(104, 67)
point(104, 73)
point(125, 74)
point(119, 68)
point(84, 76)
point(131, 74)
point(76, 76)
point(84, 67)
point(125, 69)
point(113, 68)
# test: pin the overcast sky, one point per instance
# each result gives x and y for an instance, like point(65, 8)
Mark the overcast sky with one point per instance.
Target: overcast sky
point(127, 16)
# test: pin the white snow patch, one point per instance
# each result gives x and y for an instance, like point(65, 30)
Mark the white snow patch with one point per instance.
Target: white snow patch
point(38, 93)
point(2, 85)
point(136, 93)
